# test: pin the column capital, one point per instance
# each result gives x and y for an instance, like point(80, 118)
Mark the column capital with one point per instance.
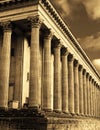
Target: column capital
point(84, 71)
point(76, 63)
point(6, 25)
point(57, 43)
point(35, 21)
point(47, 33)
point(97, 85)
point(64, 51)
point(94, 82)
point(90, 78)
point(70, 57)
point(87, 75)
point(80, 67)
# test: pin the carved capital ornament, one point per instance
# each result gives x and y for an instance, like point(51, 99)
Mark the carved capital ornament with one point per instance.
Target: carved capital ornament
point(76, 63)
point(70, 57)
point(47, 33)
point(64, 51)
point(6, 25)
point(35, 21)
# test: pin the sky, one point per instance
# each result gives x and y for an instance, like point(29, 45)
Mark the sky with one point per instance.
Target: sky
point(83, 19)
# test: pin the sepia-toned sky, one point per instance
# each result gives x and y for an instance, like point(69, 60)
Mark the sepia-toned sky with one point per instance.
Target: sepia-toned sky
point(83, 19)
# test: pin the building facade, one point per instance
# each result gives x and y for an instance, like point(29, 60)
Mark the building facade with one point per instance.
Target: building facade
point(46, 79)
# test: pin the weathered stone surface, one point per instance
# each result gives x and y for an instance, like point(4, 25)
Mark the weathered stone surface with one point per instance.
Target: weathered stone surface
point(48, 121)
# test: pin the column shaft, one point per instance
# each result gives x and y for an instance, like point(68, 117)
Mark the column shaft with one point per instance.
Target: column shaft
point(70, 84)
point(47, 99)
point(34, 64)
point(90, 84)
point(5, 66)
point(88, 96)
point(57, 79)
point(96, 103)
point(95, 99)
point(64, 82)
point(84, 92)
point(92, 97)
point(76, 87)
point(80, 89)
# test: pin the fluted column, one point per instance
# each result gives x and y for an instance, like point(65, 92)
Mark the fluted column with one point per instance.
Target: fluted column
point(84, 92)
point(95, 98)
point(98, 100)
point(34, 63)
point(47, 99)
point(90, 89)
point(88, 97)
point(76, 87)
point(81, 89)
point(92, 98)
point(5, 65)
point(57, 78)
point(70, 84)
point(64, 80)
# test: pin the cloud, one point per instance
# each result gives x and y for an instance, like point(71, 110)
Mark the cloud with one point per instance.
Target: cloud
point(92, 8)
point(91, 43)
point(63, 7)
point(66, 7)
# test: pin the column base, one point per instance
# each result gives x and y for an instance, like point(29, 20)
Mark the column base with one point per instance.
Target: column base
point(57, 111)
point(34, 108)
point(65, 112)
point(72, 113)
point(81, 114)
point(77, 114)
point(86, 115)
point(47, 109)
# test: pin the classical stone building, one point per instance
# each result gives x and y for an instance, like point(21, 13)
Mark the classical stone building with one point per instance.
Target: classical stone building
point(47, 82)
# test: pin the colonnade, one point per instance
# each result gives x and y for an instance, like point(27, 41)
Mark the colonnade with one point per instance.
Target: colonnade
point(75, 91)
